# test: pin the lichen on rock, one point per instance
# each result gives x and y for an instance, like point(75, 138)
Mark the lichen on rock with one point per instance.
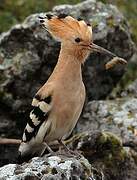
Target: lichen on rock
point(54, 167)
point(106, 153)
point(117, 116)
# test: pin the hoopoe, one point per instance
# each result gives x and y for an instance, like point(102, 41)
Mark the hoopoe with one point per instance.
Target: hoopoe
point(58, 104)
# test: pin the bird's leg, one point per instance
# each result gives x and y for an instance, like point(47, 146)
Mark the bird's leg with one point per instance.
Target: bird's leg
point(66, 151)
point(64, 146)
point(51, 152)
point(70, 152)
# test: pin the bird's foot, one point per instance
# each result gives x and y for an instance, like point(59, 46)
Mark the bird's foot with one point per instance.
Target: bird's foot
point(68, 152)
point(51, 154)
point(65, 153)
point(74, 153)
point(60, 153)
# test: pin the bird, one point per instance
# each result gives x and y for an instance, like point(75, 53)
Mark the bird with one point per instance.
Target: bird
point(57, 105)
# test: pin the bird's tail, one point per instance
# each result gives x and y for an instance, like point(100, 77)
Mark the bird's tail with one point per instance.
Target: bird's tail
point(27, 150)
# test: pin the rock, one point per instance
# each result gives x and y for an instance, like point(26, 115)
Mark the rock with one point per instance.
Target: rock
point(107, 159)
point(28, 55)
point(118, 116)
point(128, 84)
point(131, 89)
point(54, 167)
point(105, 151)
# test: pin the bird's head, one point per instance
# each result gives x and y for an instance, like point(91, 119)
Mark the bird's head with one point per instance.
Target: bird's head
point(75, 35)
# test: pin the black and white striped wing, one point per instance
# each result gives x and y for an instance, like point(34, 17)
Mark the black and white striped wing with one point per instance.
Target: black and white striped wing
point(39, 114)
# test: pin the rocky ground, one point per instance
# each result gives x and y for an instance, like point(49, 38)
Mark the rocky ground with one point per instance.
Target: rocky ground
point(27, 57)
point(53, 167)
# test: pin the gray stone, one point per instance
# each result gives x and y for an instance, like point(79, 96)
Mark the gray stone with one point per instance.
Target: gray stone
point(106, 153)
point(28, 55)
point(118, 116)
point(107, 159)
point(51, 168)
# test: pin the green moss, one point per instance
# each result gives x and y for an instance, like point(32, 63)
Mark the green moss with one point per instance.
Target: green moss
point(130, 115)
point(111, 147)
point(86, 166)
point(104, 150)
point(131, 128)
point(111, 22)
point(75, 138)
point(94, 23)
point(109, 138)
point(48, 170)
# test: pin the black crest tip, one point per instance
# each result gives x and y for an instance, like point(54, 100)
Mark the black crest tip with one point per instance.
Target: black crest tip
point(80, 19)
point(49, 16)
point(41, 17)
point(41, 21)
point(37, 96)
point(47, 100)
point(62, 15)
point(88, 24)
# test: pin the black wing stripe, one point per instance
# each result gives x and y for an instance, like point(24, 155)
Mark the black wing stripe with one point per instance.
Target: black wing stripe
point(30, 135)
point(62, 16)
point(47, 100)
point(37, 97)
point(31, 124)
point(37, 117)
point(38, 113)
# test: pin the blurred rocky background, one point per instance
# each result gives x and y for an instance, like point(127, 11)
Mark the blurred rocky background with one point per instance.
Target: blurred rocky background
point(28, 56)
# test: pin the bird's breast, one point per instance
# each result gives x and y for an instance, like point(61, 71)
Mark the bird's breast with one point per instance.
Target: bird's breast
point(66, 111)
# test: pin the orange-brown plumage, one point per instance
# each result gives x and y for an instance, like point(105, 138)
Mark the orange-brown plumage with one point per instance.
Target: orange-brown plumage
point(58, 104)
point(67, 28)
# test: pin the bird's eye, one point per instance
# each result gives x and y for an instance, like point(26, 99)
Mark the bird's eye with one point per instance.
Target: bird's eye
point(77, 40)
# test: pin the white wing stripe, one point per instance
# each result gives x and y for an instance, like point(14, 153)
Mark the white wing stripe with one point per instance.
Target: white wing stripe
point(29, 128)
point(34, 119)
point(44, 106)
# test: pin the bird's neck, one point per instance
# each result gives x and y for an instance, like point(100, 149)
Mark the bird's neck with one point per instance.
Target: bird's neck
point(68, 66)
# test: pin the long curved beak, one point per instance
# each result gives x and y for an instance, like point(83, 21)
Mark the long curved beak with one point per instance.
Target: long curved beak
point(100, 49)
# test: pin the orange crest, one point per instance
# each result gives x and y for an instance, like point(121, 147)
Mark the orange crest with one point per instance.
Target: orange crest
point(67, 28)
